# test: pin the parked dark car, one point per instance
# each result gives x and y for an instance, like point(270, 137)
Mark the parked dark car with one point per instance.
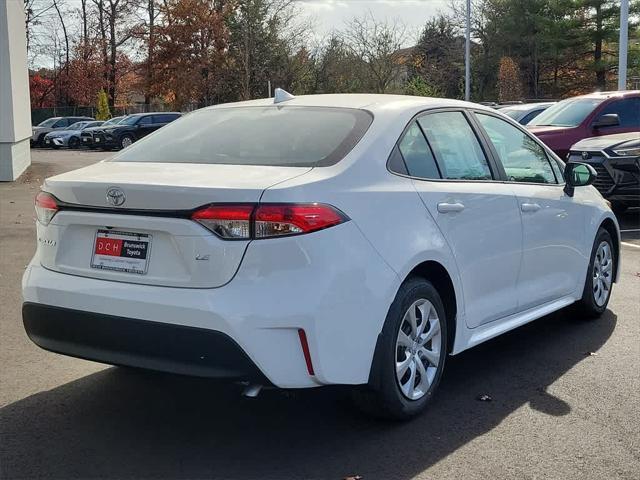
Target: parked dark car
point(616, 158)
point(86, 137)
point(131, 129)
point(593, 115)
point(39, 131)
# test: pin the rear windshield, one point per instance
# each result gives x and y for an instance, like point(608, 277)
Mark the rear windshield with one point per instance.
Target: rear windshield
point(275, 135)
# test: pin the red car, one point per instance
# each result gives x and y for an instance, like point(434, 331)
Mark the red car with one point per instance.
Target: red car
point(601, 113)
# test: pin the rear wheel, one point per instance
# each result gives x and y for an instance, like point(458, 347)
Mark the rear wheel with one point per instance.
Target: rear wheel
point(40, 142)
point(410, 356)
point(600, 275)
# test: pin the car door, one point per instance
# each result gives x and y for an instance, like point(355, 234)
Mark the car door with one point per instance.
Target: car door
point(478, 216)
point(144, 126)
point(553, 222)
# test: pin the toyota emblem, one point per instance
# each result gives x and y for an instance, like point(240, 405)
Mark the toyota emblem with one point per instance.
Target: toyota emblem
point(115, 196)
point(586, 155)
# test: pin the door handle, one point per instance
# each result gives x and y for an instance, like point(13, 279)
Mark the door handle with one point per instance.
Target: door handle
point(530, 207)
point(445, 207)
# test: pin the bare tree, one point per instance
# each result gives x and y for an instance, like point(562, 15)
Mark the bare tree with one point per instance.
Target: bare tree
point(376, 43)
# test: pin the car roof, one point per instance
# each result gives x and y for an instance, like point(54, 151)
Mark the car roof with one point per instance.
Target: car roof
point(613, 94)
point(376, 103)
point(152, 113)
point(528, 106)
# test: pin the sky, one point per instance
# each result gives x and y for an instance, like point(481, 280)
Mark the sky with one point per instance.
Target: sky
point(332, 14)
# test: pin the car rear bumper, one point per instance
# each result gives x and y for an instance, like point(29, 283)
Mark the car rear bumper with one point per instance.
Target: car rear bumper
point(332, 284)
point(138, 343)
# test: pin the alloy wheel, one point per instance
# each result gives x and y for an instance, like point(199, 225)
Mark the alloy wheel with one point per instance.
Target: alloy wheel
point(126, 142)
point(418, 349)
point(602, 273)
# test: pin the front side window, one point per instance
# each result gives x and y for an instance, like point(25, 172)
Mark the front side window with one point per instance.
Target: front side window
point(277, 135)
point(145, 121)
point(524, 160)
point(627, 109)
point(455, 146)
point(417, 154)
point(63, 122)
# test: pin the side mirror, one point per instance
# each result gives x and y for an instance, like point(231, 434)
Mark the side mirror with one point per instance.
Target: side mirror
point(607, 120)
point(578, 175)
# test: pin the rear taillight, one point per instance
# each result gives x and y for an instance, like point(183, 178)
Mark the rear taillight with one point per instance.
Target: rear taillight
point(46, 207)
point(231, 222)
point(267, 220)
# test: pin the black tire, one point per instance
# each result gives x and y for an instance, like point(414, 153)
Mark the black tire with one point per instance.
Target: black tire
point(122, 140)
point(40, 142)
point(587, 306)
point(74, 142)
point(54, 146)
point(382, 397)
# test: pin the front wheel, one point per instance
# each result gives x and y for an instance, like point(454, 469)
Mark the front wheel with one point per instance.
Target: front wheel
point(73, 142)
point(410, 356)
point(126, 141)
point(600, 275)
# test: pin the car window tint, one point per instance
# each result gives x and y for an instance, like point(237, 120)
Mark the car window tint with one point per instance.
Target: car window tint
point(396, 162)
point(417, 154)
point(530, 116)
point(145, 120)
point(165, 118)
point(455, 146)
point(63, 122)
point(279, 136)
point(524, 160)
point(627, 109)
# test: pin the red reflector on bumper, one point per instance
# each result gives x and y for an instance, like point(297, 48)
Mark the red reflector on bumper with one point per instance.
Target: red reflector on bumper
point(305, 350)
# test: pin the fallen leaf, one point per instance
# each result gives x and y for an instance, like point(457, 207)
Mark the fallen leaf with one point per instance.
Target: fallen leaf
point(484, 398)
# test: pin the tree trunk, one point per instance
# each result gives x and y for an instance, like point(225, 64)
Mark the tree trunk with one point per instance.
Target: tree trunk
point(66, 52)
point(112, 54)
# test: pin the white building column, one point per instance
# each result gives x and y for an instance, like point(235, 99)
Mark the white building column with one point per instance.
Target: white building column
point(15, 106)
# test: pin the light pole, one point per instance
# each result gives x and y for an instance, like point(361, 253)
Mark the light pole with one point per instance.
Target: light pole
point(623, 45)
point(467, 55)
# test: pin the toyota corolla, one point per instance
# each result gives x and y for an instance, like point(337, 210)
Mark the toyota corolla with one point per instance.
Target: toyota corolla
point(305, 241)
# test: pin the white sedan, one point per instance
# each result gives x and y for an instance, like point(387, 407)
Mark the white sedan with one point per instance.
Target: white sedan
point(317, 240)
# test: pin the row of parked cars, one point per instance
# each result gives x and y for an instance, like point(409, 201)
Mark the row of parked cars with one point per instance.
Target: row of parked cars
point(116, 133)
point(601, 129)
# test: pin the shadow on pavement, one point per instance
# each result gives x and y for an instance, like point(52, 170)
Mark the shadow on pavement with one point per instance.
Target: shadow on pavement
point(121, 423)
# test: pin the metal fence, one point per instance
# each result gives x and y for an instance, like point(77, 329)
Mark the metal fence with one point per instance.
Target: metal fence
point(40, 114)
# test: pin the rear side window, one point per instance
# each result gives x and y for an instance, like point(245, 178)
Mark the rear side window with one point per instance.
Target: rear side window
point(417, 155)
point(524, 160)
point(628, 110)
point(455, 146)
point(165, 118)
point(272, 135)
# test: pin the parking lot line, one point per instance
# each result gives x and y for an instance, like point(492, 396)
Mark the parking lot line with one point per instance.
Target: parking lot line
point(627, 244)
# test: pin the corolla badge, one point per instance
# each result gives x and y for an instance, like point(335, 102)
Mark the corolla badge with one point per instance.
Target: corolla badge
point(115, 196)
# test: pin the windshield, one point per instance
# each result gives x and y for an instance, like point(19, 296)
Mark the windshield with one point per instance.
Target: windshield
point(130, 120)
point(273, 135)
point(48, 122)
point(567, 113)
point(113, 121)
point(76, 126)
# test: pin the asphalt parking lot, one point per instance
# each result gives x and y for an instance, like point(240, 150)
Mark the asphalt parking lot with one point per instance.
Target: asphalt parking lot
point(565, 399)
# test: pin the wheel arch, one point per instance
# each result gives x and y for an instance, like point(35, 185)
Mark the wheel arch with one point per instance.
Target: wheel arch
point(438, 275)
point(440, 278)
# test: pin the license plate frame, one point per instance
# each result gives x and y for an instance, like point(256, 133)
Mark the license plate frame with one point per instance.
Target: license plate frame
point(115, 250)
